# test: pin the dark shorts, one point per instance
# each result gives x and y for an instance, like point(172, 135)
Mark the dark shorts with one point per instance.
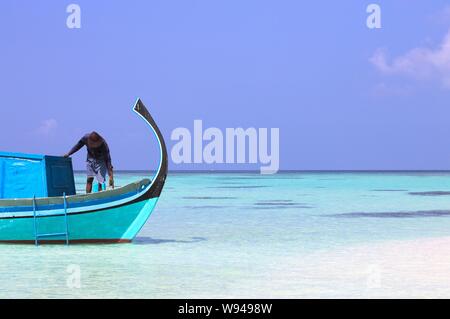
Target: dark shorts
point(97, 169)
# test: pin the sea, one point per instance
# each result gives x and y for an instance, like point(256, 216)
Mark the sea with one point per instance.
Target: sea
point(246, 235)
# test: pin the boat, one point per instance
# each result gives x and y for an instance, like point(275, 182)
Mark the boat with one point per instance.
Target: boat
point(112, 216)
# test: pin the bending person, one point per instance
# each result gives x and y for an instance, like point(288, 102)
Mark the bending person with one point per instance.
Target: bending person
point(98, 160)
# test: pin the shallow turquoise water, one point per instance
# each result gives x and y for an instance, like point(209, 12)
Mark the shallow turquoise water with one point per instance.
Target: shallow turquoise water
point(226, 235)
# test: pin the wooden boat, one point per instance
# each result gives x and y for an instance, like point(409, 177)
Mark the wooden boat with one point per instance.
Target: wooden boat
point(114, 216)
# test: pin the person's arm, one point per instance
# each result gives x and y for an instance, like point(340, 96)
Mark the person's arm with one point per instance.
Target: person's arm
point(109, 166)
point(76, 148)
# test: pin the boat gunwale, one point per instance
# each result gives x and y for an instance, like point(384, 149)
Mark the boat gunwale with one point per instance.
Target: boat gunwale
point(75, 201)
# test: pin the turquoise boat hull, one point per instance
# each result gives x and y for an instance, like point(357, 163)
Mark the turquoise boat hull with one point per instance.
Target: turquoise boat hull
point(114, 216)
point(114, 225)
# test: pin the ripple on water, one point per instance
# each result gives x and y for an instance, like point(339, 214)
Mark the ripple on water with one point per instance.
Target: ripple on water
point(239, 187)
point(416, 214)
point(208, 197)
point(389, 190)
point(279, 204)
point(430, 193)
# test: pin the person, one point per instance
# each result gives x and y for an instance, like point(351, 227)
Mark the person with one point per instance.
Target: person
point(98, 160)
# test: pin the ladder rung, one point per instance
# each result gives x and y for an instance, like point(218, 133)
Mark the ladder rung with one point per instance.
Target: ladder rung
point(51, 235)
point(36, 216)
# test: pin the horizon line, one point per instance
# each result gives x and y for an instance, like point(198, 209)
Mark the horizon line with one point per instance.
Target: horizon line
point(291, 171)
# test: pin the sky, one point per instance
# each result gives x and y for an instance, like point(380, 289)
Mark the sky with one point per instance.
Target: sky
point(345, 97)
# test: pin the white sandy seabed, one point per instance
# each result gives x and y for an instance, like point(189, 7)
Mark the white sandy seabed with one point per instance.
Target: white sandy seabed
point(393, 269)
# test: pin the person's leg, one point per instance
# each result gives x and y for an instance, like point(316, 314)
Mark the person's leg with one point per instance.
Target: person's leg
point(100, 170)
point(90, 181)
point(90, 176)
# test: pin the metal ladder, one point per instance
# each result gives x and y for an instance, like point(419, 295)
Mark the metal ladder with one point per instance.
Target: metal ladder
point(38, 236)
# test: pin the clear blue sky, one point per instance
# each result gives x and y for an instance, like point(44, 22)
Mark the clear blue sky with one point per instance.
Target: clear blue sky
point(343, 96)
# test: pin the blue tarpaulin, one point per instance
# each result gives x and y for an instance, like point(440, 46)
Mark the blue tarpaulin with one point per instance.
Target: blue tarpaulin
point(25, 176)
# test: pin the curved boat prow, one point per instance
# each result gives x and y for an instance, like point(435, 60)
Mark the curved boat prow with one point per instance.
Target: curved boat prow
point(159, 179)
point(151, 193)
